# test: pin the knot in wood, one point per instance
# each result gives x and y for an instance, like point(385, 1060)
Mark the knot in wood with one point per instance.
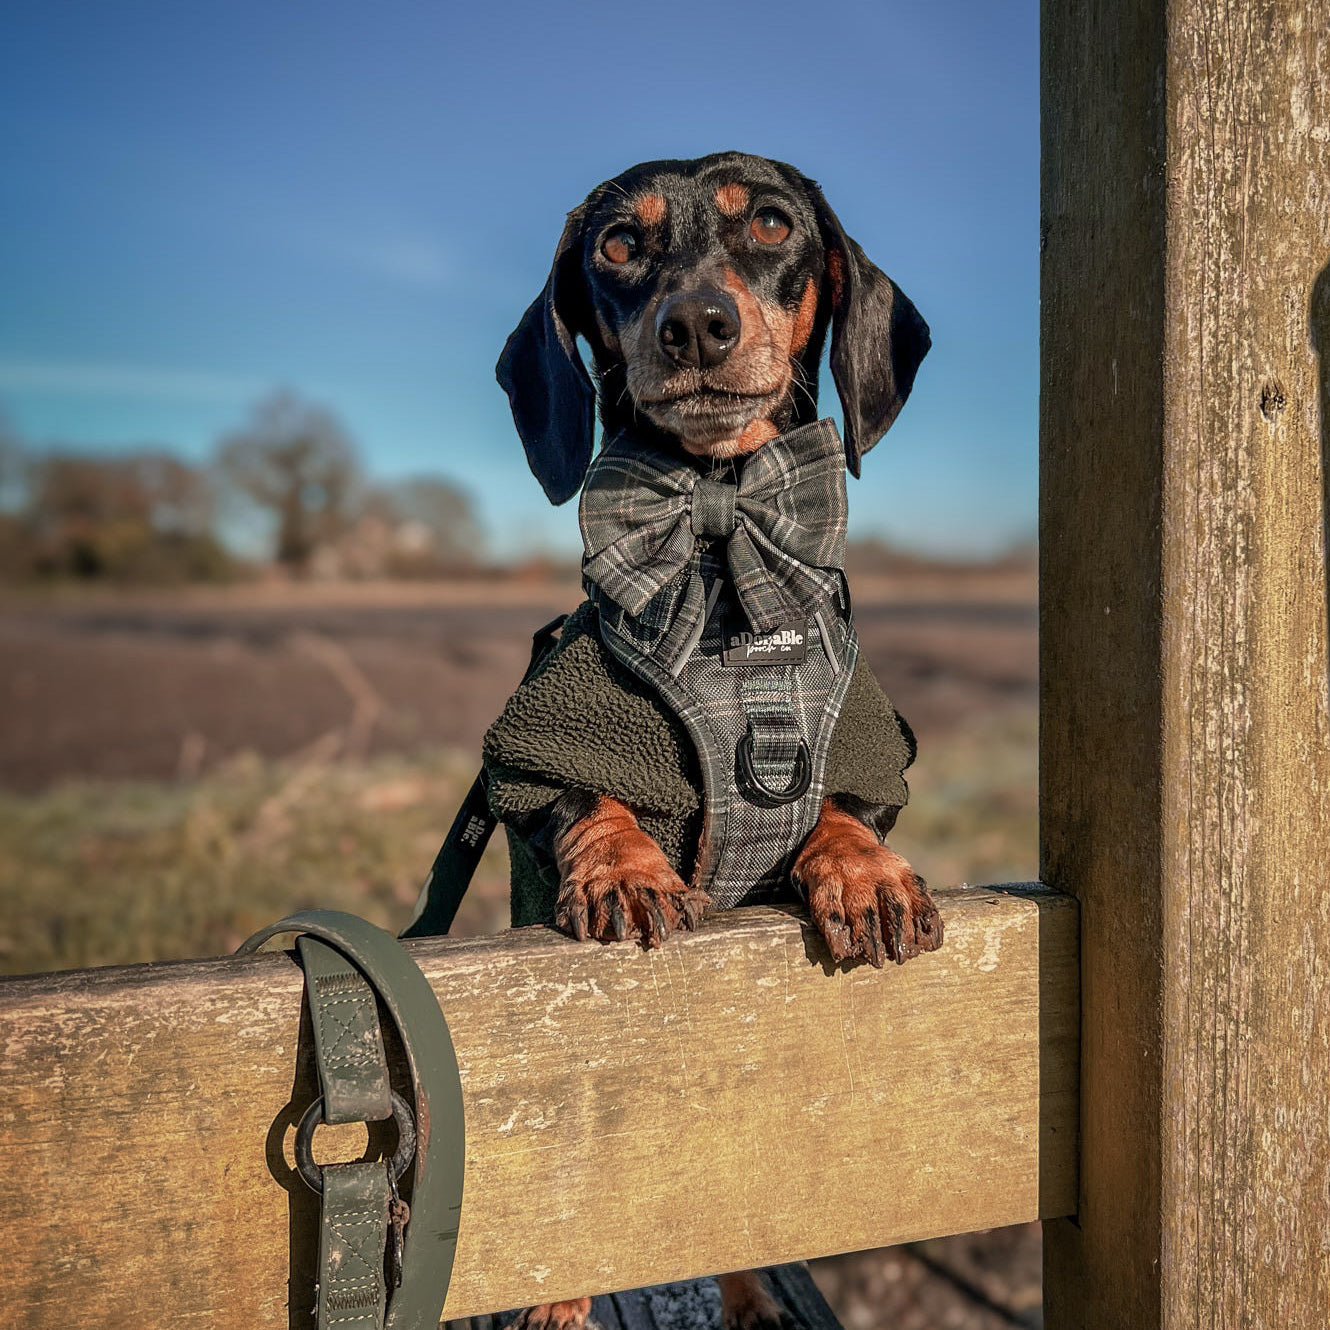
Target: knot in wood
point(1273, 399)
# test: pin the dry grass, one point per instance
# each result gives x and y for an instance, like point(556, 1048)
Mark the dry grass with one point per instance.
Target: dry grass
point(120, 872)
point(108, 873)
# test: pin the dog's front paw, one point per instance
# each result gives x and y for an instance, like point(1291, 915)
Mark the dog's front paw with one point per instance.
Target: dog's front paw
point(864, 898)
point(879, 910)
point(616, 883)
point(570, 1315)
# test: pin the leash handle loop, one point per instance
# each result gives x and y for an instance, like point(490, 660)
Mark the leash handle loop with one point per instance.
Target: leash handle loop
point(358, 1207)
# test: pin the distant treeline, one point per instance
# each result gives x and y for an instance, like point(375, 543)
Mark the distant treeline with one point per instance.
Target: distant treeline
point(290, 477)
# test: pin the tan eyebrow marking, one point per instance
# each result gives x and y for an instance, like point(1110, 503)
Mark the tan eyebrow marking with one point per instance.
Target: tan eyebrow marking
point(650, 209)
point(732, 199)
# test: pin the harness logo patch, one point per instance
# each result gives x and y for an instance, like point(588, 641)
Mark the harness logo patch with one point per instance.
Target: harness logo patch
point(474, 831)
point(786, 645)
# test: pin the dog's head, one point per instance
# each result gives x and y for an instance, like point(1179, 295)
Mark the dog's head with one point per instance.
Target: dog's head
point(705, 289)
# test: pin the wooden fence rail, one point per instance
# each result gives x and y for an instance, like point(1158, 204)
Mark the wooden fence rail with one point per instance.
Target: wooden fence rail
point(729, 1100)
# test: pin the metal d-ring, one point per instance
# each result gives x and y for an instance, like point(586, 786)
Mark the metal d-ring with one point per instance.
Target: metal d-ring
point(798, 787)
point(312, 1118)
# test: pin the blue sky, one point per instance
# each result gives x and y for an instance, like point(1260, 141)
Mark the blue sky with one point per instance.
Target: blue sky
point(357, 201)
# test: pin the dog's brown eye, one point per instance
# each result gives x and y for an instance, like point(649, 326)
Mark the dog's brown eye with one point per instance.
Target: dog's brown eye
point(769, 227)
point(620, 246)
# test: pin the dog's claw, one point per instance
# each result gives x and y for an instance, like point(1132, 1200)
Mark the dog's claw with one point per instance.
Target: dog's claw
point(876, 949)
point(837, 936)
point(896, 947)
point(661, 928)
point(618, 921)
point(571, 914)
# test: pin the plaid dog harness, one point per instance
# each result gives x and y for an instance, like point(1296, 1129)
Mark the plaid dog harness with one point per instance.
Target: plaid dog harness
point(726, 596)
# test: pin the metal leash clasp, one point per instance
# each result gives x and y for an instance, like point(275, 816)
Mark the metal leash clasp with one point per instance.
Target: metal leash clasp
point(312, 1118)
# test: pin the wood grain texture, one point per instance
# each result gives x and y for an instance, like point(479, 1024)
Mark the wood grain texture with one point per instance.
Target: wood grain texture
point(1186, 748)
point(633, 1117)
point(1101, 424)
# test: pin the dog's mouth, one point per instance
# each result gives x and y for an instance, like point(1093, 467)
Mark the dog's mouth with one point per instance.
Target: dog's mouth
point(706, 414)
point(703, 400)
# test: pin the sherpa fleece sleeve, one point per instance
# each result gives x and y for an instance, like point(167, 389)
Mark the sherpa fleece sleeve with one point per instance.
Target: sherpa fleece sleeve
point(581, 721)
point(872, 744)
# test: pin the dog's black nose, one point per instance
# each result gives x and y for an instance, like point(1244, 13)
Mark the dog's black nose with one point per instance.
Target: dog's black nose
point(698, 328)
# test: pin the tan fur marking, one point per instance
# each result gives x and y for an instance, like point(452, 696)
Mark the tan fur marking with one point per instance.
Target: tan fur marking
point(754, 320)
point(836, 272)
point(608, 335)
point(732, 199)
point(804, 319)
point(650, 209)
point(755, 434)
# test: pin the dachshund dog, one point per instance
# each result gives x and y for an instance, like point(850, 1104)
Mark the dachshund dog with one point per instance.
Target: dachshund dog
point(705, 291)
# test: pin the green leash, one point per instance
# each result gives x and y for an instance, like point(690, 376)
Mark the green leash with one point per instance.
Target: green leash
point(352, 969)
point(455, 864)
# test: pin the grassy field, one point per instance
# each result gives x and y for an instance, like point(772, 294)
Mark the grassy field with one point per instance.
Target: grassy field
point(108, 873)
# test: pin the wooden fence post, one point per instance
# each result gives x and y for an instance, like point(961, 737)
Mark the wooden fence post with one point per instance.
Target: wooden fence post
point(1185, 750)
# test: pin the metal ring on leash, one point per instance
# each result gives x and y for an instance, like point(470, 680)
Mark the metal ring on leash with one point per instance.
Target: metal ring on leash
point(798, 787)
point(312, 1173)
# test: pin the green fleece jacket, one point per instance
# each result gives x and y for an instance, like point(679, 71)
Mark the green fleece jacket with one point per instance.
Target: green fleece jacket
point(582, 721)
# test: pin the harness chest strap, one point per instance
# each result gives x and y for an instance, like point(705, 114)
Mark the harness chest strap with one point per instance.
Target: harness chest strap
point(761, 732)
point(673, 559)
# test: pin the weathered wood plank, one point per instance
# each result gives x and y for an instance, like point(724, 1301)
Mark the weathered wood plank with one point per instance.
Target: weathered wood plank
point(1185, 759)
point(632, 1118)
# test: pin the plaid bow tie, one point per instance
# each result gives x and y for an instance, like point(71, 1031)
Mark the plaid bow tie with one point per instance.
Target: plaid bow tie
point(783, 522)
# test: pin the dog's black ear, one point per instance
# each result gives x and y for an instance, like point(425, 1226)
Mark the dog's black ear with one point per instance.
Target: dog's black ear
point(542, 372)
point(878, 338)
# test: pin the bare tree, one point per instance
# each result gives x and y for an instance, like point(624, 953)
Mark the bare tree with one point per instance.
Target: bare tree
point(147, 487)
point(295, 459)
point(442, 516)
point(15, 544)
point(134, 516)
